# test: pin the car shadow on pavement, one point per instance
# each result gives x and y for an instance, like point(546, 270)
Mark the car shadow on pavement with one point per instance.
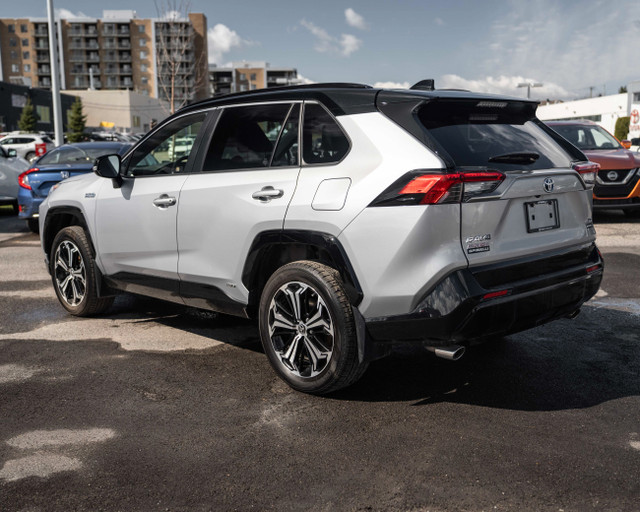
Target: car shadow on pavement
point(563, 365)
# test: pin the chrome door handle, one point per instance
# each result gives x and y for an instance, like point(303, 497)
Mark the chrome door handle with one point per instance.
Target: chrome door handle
point(267, 194)
point(164, 201)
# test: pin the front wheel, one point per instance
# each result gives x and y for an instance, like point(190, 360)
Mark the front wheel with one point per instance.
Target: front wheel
point(308, 330)
point(73, 272)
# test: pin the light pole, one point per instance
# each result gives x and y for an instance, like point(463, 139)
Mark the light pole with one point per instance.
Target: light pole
point(529, 85)
point(55, 77)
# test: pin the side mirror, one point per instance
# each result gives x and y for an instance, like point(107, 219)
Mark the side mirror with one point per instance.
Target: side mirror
point(108, 166)
point(12, 153)
point(626, 144)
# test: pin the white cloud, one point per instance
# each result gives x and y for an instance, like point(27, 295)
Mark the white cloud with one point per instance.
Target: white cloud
point(305, 80)
point(326, 43)
point(66, 14)
point(504, 85)
point(173, 16)
point(349, 44)
point(355, 20)
point(221, 39)
point(391, 85)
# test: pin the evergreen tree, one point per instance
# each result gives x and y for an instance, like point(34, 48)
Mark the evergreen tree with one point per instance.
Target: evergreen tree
point(28, 119)
point(77, 122)
point(622, 127)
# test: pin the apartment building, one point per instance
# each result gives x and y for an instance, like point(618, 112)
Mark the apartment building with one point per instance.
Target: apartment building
point(247, 76)
point(116, 52)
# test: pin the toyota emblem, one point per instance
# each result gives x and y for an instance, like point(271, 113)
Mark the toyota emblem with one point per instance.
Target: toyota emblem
point(64, 174)
point(548, 185)
point(612, 175)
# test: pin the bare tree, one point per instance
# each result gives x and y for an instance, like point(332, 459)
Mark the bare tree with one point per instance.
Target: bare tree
point(179, 69)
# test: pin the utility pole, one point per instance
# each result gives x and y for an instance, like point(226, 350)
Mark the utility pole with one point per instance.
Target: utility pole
point(529, 85)
point(55, 77)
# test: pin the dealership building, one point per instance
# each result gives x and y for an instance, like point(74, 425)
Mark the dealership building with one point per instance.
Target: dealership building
point(604, 110)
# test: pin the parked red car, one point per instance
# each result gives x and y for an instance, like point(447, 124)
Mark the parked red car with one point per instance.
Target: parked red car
point(618, 181)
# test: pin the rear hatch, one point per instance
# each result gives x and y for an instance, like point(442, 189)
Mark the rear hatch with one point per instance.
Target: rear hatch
point(42, 177)
point(528, 198)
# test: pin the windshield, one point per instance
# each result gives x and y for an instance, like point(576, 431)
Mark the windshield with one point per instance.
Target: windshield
point(495, 135)
point(75, 155)
point(587, 137)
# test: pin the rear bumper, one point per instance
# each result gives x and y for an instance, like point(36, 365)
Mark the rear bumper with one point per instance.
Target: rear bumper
point(625, 204)
point(525, 294)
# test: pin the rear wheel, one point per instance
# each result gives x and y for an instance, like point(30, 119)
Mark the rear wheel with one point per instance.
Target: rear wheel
point(33, 225)
point(73, 272)
point(30, 156)
point(308, 330)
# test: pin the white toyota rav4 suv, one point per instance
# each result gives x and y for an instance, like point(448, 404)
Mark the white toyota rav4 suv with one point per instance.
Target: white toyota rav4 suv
point(343, 218)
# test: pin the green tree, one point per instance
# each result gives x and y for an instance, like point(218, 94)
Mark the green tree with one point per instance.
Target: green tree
point(622, 128)
point(28, 119)
point(622, 89)
point(77, 121)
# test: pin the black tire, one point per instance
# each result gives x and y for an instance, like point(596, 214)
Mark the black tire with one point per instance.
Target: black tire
point(30, 156)
point(33, 225)
point(325, 356)
point(16, 208)
point(73, 273)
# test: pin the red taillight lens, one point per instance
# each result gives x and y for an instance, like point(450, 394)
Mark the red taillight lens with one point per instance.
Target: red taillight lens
point(493, 295)
point(588, 171)
point(437, 188)
point(23, 179)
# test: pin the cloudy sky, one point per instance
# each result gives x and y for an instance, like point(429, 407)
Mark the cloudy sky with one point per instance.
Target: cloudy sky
point(490, 45)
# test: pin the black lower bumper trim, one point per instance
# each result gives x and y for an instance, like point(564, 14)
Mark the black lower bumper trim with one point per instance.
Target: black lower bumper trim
point(527, 304)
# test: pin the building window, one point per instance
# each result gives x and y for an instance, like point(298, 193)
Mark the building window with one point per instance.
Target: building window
point(141, 29)
point(13, 42)
point(25, 42)
point(23, 28)
point(27, 68)
point(135, 121)
point(243, 77)
point(14, 54)
point(252, 77)
point(636, 96)
point(143, 68)
point(143, 55)
point(15, 68)
point(144, 80)
point(143, 42)
point(11, 28)
point(25, 55)
point(44, 113)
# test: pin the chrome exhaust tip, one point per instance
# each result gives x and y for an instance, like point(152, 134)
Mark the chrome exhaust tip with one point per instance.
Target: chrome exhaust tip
point(573, 314)
point(452, 352)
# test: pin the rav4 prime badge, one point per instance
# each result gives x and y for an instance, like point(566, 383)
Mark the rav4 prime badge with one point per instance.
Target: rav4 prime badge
point(478, 243)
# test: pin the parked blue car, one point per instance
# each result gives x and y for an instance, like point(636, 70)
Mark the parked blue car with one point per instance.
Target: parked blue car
point(54, 166)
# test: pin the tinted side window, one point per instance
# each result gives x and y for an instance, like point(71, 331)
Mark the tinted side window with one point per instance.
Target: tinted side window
point(167, 150)
point(245, 137)
point(286, 153)
point(323, 141)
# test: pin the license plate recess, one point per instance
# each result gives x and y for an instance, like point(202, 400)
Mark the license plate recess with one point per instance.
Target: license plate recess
point(542, 215)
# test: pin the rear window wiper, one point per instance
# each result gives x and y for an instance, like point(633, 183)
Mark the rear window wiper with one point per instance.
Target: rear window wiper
point(515, 158)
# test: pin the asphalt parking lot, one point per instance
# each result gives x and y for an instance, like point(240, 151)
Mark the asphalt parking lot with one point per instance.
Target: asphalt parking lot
point(152, 407)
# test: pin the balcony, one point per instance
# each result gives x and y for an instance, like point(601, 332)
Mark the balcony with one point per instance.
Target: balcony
point(44, 70)
point(42, 44)
point(123, 32)
point(85, 45)
point(124, 57)
point(124, 44)
point(41, 32)
point(42, 58)
point(125, 70)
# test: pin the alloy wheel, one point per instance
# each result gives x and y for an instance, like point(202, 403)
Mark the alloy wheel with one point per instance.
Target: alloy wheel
point(301, 329)
point(70, 273)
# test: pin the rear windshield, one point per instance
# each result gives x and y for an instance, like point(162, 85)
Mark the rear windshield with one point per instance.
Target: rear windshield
point(492, 134)
point(75, 155)
point(587, 137)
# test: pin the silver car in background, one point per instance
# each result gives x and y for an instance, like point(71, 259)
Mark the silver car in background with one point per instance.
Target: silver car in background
point(11, 166)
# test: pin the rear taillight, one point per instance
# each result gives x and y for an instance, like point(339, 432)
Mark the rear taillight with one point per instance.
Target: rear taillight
point(430, 187)
point(23, 179)
point(588, 171)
